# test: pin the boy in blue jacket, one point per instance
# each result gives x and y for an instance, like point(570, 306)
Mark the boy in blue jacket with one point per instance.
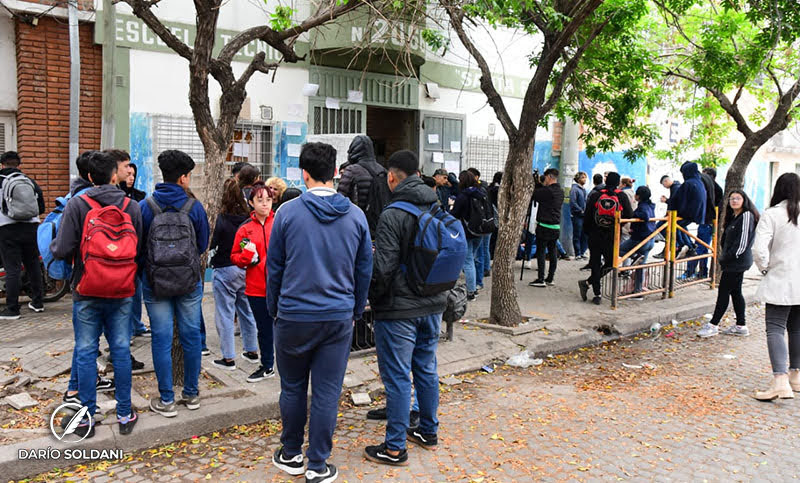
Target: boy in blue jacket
point(690, 203)
point(645, 211)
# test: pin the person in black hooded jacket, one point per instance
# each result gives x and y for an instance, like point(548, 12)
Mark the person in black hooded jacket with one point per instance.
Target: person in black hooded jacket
point(735, 258)
point(357, 178)
point(550, 198)
point(467, 190)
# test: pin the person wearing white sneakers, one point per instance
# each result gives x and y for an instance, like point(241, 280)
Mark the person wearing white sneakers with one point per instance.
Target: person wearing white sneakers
point(735, 258)
point(774, 251)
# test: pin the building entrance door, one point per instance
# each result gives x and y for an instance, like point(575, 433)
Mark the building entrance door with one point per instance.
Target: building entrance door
point(392, 130)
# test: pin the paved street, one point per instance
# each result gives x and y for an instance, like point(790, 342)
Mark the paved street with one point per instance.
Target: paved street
point(681, 412)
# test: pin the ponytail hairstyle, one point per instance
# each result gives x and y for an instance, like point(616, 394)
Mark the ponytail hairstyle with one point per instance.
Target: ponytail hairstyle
point(787, 188)
point(233, 202)
point(747, 205)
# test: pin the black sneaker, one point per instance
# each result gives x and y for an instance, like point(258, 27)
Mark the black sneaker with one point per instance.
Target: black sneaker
point(251, 357)
point(549, 282)
point(293, 466)
point(205, 351)
point(71, 399)
point(228, 365)
point(36, 308)
point(136, 365)
point(472, 296)
point(6, 314)
point(104, 385)
point(597, 300)
point(380, 455)
point(487, 274)
point(583, 286)
point(538, 283)
point(84, 429)
point(144, 333)
point(330, 474)
point(413, 419)
point(377, 414)
point(261, 374)
point(126, 424)
point(586, 267)
point(427, 441)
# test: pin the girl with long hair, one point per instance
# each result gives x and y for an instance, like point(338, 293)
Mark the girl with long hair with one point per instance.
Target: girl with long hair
point(735, 258)
point(775, 254)
point(229, 282)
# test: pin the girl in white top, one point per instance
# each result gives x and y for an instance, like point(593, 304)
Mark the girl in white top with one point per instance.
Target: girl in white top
point(775, 254)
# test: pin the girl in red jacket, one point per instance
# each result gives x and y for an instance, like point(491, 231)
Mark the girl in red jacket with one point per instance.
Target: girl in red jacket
point(250, 252)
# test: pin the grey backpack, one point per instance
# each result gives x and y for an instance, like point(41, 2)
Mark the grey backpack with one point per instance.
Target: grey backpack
point(19, 199)
point(172, 264)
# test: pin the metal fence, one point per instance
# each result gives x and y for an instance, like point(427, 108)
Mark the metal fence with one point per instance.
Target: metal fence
point(487, 155)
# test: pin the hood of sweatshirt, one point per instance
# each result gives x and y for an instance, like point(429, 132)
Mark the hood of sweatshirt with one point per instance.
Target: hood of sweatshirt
point(326, 208)
point(475, 192)
point(107, 194)
point(78, 184)
point(360, 149)
point(689, 169)
point(414, 190)
point(170, 194)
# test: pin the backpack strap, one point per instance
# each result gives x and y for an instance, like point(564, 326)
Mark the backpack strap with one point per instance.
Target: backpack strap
point(405, 206)
point(187, 207)
point(125, 202)
point(151, 202)
point(93, 204)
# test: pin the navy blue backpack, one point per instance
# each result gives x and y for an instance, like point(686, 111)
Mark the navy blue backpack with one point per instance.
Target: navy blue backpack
point(438, 252)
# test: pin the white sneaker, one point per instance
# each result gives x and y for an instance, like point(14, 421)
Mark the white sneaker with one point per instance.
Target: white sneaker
point(708, 330)
point(737, 330)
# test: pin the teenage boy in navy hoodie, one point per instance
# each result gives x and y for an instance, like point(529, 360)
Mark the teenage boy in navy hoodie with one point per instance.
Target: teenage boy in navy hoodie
point(176, 168)
point(319, 266)
point(95, 315)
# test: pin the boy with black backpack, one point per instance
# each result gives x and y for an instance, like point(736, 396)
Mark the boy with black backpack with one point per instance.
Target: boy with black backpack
point(419, 252)
point(175, 234)
point(598, 222)
point(364, 181)
point(100, 232)
point(21, 203)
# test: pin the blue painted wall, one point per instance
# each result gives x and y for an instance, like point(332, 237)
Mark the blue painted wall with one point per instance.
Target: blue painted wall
point(282, 158)
point(756, 182)
point(142, 150)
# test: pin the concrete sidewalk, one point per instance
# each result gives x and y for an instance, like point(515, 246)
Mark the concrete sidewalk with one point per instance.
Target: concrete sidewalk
point(39, 346)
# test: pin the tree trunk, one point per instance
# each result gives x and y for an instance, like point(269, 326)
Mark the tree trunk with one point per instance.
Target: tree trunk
point(735, 177)
point(214, 182)
point(515, 194)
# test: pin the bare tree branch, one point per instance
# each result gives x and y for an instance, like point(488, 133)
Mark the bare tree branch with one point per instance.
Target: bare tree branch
point(733, 111)
point(487, 85)
point(775, 80)
point(141, 8)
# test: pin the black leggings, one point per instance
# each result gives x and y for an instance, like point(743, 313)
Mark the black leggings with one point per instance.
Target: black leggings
point(730, 287)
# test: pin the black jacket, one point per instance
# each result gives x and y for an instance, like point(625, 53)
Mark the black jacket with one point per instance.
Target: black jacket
point(66, 246)
point(132, 193)
point(389, 294)
point(222, 238)
point(7, 171)
point(356, 179)
point(462, 205)
point(589, 225)
point(711, 198)
point(550, 200)
point(737, 241)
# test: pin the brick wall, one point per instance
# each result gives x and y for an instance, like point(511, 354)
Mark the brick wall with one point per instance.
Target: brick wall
point(43, 112)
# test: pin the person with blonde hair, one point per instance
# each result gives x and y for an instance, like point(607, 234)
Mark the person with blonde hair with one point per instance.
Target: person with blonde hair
point(278, 186)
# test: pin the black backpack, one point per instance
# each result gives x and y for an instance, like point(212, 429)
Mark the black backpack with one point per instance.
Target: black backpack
point(482, 216)
point(378, 197)
point(172, 264)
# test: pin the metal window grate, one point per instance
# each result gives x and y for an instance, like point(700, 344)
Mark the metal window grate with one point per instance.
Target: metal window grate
point(487, 155)
point(337, 121)
point(2, 137)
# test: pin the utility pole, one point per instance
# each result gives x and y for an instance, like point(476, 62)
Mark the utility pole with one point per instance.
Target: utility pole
point(74, 86)
point(109, 49)
point(568, 167)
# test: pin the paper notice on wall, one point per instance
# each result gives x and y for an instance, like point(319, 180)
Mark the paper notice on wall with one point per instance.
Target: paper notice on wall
point(241, 150)
point(438, 157)
point(433, 139)
point(310, 90)
point(453, 167)
point(293, 150)
point(332, 103)
point(355, 96)
point(294, 174)
point(295, 110)
point(455, 146)
point(294, 129)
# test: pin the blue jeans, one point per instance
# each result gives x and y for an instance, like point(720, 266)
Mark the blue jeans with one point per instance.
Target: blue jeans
point(319, 351)
point(681, 238)
point(483, 262)
point(264, 325)
point(92, 317)
point(473, 244)
point(137, 327)
point(705, 233)
point(187, 310)
point(229, 299)
point(627, 246)
point(580, 242)
point(408, 346)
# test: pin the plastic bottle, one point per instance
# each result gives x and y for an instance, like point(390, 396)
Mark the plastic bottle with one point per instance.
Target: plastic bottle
point(655, 327)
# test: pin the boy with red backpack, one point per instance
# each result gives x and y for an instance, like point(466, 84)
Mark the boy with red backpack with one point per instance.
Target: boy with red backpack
point(598, 223)
point(100, 232)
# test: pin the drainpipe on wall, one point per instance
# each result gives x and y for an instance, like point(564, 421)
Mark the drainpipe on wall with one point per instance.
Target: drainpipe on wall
point(108, 126)
point(74, 86)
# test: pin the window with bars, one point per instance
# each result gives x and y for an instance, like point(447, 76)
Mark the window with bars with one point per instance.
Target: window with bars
point(487, 155)
point(337, 121)
point(7, 141)
point(252, 143)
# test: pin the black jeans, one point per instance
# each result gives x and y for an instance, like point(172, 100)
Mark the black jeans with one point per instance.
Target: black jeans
point(601, 250)
point(18, 246)
point(730, 287)
point(546, 239)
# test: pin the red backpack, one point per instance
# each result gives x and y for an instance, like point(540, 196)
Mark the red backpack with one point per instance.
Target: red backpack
point(605, 209)
point(108, 251)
